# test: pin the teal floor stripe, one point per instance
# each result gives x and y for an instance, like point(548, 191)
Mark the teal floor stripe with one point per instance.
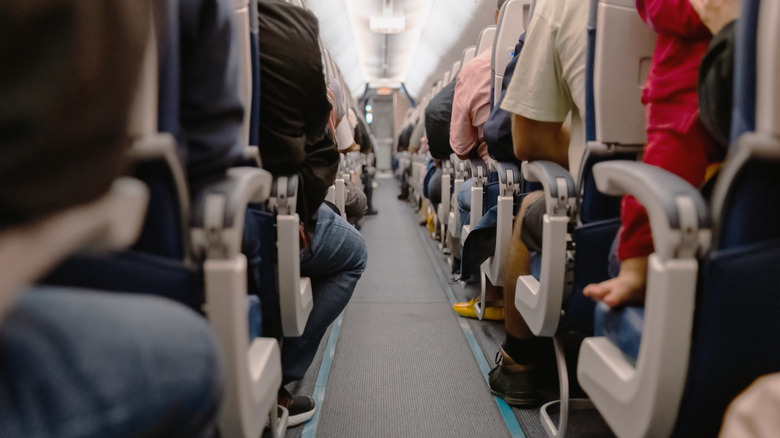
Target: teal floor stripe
point(310, 428)
point(506, 412)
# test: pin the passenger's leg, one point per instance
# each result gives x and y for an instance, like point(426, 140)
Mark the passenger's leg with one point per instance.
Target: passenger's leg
point(405, 175)
point(463, 199)
point(369, 192)
point(514, 377)
point(86, 364)
point(464, 202)
point(685, 154)
point(518, 263)
point(335, 261)
point(434, 189)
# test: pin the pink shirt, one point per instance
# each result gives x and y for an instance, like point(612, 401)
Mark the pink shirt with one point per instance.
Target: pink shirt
point(471, 107)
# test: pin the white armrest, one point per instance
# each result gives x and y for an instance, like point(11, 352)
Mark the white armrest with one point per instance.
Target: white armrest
point(540, 301)
point(643, 399)
point(509, 184)
point(295, 294)
point(220, 207)
point(479, 172)
point(446, 183)
point(341, 196)
point(253, 372)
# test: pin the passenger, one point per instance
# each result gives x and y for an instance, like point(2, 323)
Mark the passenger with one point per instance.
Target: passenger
point(753, 414)
point(365, 139)
point(294, 139)
point(549, 87)
point(477, 249)
point(470, 111)
point(676, 139)
point(76, 363)
point(403, 146)
point(716, 73)
point(438, 116)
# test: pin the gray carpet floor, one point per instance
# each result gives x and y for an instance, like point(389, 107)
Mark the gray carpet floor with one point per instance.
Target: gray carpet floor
point(402, 366)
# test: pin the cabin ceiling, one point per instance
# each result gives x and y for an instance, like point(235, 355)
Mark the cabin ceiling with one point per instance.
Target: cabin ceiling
point(435, 34)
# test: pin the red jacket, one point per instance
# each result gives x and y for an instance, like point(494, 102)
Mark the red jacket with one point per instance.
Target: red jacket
point(682, 42)
point(675, 141)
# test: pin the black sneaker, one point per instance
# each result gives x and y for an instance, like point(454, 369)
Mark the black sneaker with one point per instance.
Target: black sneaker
point(513, 382)
point(300, 407)
point(371, 212)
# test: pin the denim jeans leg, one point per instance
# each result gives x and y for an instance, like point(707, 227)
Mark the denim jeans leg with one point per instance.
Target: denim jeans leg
point(335, 261)
point(464, 202)
point(77, 364)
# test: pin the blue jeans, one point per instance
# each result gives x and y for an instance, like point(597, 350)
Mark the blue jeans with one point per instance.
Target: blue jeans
point(335, 260)
point(87, 364)
point(464, 202)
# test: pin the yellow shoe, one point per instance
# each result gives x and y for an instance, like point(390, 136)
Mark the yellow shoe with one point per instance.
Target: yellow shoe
point(467, 310)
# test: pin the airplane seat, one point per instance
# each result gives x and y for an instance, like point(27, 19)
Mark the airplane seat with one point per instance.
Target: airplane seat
point(499, 197)
point(485, 39)
point(447, 181)
point(702, 344)
point(468, 54)
point(254, 110)
point(203, 261)
point(480, 175)
point(462, 172)
point(580, 223)
point(737, 302)
point(512, 22)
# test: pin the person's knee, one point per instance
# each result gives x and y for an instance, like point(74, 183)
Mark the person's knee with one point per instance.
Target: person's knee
point(359, 252)
point(528, 200)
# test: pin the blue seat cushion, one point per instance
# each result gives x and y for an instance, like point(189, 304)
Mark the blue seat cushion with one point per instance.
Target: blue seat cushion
point(735, 332)
point(621, 326)
point(133, 272)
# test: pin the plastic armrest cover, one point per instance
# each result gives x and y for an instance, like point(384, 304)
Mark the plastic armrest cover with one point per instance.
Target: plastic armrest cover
point(295, 296)
point(219, 209)
point(643, 399)
point(509, 177)
point(540, 301)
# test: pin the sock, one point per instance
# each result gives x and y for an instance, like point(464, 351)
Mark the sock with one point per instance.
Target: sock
point(522, 351)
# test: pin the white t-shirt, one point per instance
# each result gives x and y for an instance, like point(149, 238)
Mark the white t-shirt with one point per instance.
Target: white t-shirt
point(549, 82)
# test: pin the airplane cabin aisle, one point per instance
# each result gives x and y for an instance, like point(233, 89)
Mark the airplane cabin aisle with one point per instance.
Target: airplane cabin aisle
point(400, 362)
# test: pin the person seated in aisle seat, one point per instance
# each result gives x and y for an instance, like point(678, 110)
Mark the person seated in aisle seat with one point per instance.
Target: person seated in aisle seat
point(77, 363)
point(438, 115)
point(403, 146)
point(295, 139)
point(355, 203)
point(470, 111)
point(716, 73)
point(753, 414)
point(549, 87)
point(365, 139)
point(677, 141)
point(498, 136)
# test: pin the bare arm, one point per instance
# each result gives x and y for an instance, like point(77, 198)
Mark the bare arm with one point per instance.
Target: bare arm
point(535, 140)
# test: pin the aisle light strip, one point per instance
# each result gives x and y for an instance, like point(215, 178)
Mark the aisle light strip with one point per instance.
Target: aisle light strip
point(506, 412)
point(310, 428)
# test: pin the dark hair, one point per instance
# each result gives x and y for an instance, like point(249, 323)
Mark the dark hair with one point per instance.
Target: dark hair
point(68, 77)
